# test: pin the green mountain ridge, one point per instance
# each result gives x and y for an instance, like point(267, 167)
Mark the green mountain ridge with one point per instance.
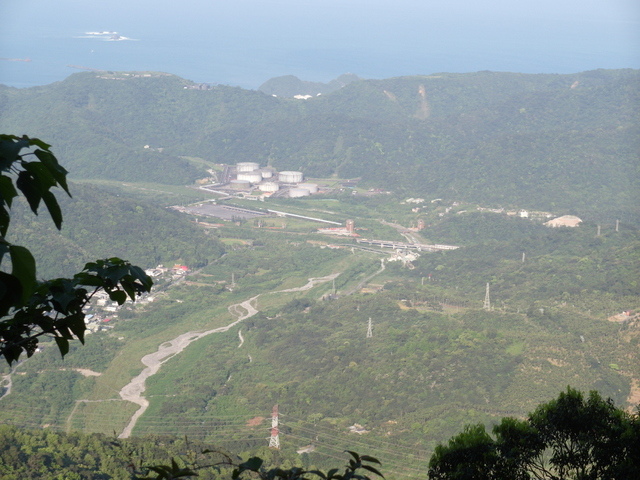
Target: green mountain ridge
point(549, 142)
point(290, 85)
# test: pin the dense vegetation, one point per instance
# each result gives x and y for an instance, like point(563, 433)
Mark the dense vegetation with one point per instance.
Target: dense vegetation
point(99, 222)
point(49, 455)
point(436, 360)
point(555, 142)
point(290, 86)
point(573, 436)
point(563, 265)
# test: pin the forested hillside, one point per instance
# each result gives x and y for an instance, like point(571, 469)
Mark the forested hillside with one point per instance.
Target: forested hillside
point(99, 223)
point(435, 361)
point(551, 142)
point(362, 348)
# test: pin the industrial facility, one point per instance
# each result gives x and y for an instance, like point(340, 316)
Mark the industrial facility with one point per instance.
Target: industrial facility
point(250, 181)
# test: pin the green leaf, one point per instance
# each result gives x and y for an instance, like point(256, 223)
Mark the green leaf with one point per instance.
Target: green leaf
point(118, 296)
point(11, 353)
point(41, 175)
point(62, 292)
point(253, 464)
point(54, 209)
point(76, 324)
point(23, 267)
point(7, 190)
point(38, 143)
point(129, 288)
point(63, 345)
point(10, 147)
point(142, 277)
point(4, 248)
point(29, 188)
point(355, 455)
point(85, 278)
point(319, 473)
point(372, 469)
point(5, 220)
point(10, 293)
point(58, 172)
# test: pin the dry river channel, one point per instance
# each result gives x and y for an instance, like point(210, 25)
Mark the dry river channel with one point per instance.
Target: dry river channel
point(134, 390)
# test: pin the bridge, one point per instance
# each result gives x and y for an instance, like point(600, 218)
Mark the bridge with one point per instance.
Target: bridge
point(407, 246)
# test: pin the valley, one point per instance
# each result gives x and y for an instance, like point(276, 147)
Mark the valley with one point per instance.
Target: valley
point(419, 289)
point(436, 358)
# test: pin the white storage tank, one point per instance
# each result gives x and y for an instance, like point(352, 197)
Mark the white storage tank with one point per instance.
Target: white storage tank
point(253, 177)
point(266, 173)
point(290, 177)
point(298, 192)
point(312, 187)
point(240, 184)
point(269, 187)
point(247, 166)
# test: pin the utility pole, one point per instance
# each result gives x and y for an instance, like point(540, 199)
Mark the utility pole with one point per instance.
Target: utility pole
point(274, 439)
point(487, 301)
point(617, 225)
point(523, 257)
point(598, 234)
point(369, 329)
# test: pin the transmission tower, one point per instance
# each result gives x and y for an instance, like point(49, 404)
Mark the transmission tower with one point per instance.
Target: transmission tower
point(370, 329)
point(487, 300)
point(274, 439)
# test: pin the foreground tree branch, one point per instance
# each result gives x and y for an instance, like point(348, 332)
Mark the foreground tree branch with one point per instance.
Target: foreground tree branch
point(30, 309)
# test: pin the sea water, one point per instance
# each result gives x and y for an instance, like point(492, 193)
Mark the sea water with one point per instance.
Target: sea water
point(246, 42)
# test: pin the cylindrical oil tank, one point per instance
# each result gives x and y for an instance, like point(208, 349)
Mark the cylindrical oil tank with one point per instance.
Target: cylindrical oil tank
point(298, 192)
point(266, 173)
point(240, 184)
point(312, 187)
point(269, 187)
point(290, 177)
point(247, 166)
point(253, 177)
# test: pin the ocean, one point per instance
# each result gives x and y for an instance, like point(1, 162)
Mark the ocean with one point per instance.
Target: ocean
point(247, 43)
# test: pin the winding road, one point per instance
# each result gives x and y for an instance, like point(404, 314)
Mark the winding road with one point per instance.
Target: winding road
point(133, 391)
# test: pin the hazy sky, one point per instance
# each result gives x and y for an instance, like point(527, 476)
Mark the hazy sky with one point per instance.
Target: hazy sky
point(245, 42)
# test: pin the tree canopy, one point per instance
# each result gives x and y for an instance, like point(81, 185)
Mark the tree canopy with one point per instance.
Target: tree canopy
point(574, 436)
